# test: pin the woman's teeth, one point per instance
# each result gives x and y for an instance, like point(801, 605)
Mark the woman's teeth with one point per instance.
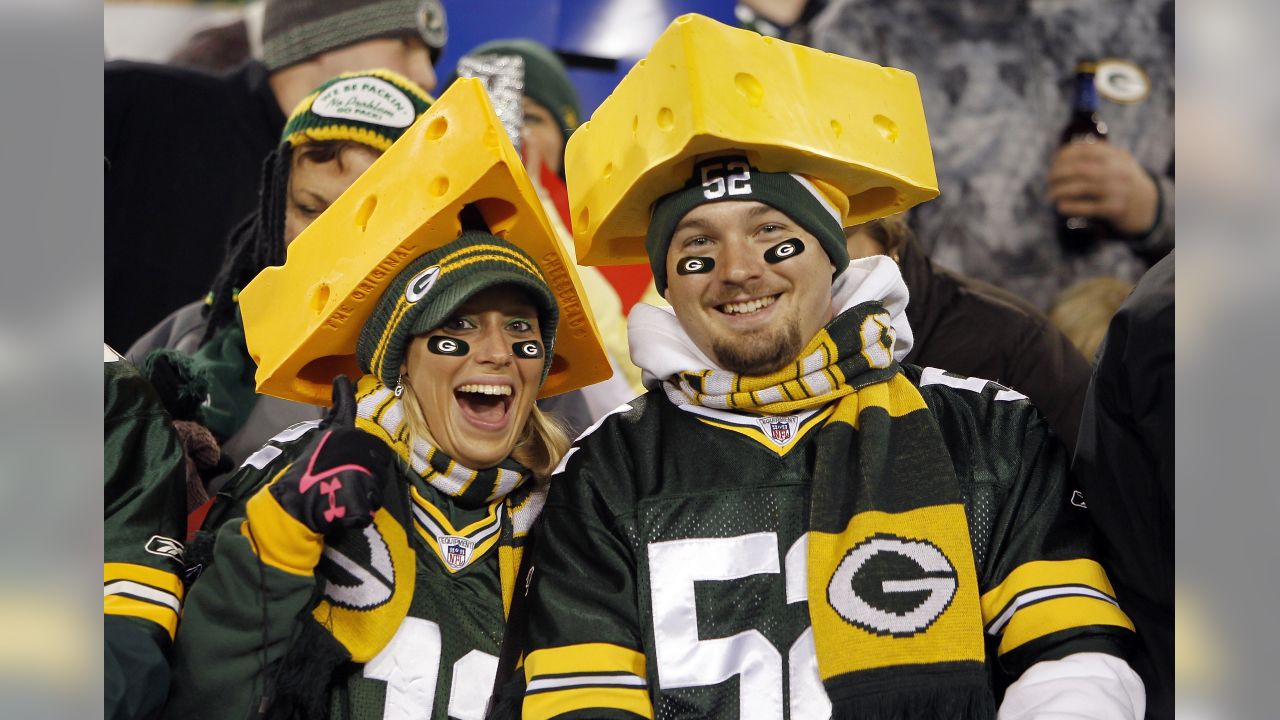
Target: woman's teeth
point(486, 389)
point(750, 306)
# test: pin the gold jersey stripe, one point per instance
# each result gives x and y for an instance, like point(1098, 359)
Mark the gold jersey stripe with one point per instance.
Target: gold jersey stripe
point(540, 706)
point(159, 579)
point(1059, 613)
point(1043, 574)
point(584, 658)
point(164, 616)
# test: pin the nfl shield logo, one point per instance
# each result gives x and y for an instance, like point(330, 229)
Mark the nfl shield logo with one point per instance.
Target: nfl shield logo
point(455, 551)
point(780, 431)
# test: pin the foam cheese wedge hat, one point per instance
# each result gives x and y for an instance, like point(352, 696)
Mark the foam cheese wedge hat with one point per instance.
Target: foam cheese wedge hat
point(706, 88)
point(302, 319)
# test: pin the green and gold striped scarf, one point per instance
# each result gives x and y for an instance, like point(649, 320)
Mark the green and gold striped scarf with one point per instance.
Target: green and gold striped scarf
point(893, 590)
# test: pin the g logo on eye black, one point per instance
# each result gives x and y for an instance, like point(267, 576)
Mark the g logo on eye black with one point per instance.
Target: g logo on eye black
point(442, 345)
point(527, 349)
point(784, 250)
point(421, 284)
point(694, 265)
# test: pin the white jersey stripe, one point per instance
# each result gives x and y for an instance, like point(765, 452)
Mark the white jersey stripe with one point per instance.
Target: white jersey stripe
point(559, 683)
point(156, 595)
point(1034, 596)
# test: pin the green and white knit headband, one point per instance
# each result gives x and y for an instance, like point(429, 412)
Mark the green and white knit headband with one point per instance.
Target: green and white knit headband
point(817, 209)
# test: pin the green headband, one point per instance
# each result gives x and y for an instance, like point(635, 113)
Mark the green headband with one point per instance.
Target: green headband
point(372, 107)
point(431, 288)
point(732, 178)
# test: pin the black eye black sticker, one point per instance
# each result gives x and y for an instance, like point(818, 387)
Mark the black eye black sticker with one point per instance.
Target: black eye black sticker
point(527, 349)
point(442, 345)
point(784, 250)
point(694, 265)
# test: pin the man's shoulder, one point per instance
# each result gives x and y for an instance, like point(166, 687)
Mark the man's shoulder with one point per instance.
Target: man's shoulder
point(978, 402)
point(636, 416)
point(608, 461)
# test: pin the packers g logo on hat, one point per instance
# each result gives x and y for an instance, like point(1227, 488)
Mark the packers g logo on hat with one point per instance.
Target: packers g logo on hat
point(419, 285)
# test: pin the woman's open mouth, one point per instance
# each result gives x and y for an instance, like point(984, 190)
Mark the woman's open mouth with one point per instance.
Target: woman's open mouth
point(485, 405)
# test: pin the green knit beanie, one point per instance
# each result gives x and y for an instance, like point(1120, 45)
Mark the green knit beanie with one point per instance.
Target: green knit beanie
point(730, 177)
point(371, 107)
point(432, 287)
point(298, 30)
point(546, 81)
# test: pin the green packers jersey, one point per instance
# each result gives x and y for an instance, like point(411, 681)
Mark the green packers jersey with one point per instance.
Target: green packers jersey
point(671, 580)
point(439, 662)
point(144, 498)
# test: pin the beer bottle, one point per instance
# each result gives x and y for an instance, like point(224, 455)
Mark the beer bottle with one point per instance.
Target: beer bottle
point(1078, 234)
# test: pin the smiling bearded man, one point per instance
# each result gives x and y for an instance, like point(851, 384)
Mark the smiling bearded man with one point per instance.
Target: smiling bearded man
point(725, 270)
point(793, 524)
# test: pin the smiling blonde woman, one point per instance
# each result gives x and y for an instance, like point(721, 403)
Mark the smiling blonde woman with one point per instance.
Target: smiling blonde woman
point(374, 565)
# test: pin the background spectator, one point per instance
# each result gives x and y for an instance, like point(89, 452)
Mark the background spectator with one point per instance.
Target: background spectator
point(186, 147)
point(319, 155)
point(998, 81)
point(972, 328)
point(1125, 467)
point(1083, 311)
point(549, 112)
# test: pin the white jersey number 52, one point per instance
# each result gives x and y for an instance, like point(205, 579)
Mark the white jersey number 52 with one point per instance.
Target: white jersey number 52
point(685, 660)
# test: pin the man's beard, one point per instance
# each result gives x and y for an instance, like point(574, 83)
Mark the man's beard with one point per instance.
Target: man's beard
point(759, 353)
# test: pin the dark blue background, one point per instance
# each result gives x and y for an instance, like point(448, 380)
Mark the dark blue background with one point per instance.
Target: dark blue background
point(619, 30)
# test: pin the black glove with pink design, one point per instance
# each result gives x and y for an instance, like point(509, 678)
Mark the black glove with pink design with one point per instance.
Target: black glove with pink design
point(337, 482)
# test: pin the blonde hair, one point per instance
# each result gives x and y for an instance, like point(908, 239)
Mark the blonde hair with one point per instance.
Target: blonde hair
point(1083, 311)
point(540, 446)
point(890, 233)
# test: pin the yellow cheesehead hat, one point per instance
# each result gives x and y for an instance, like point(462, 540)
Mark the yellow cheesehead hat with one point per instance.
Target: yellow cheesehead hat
point(303, 320)
point(707, 89)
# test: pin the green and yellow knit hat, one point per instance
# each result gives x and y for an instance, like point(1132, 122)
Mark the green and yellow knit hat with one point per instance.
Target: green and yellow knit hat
point(371, 107)
point(815, 205)
point(432, 287)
